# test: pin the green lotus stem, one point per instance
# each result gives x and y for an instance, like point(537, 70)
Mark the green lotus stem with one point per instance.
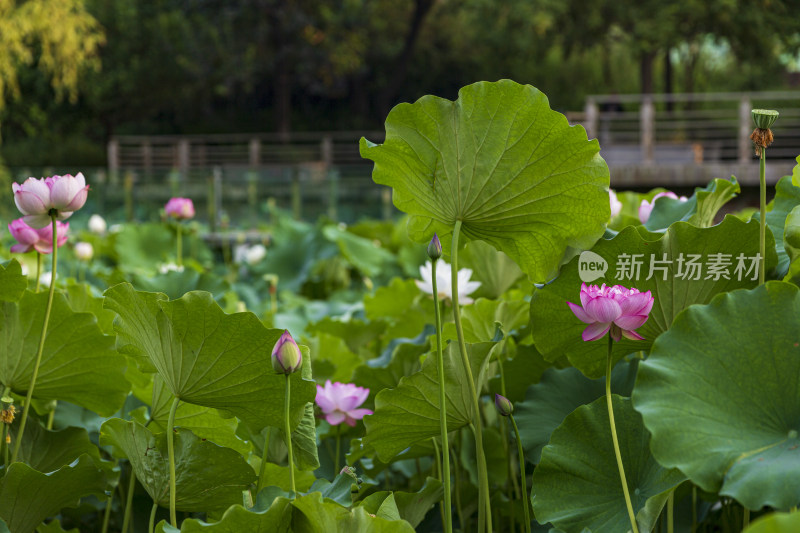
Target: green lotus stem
point(286, 426)
point(107, 511)
point(262, 475)
point(152, 523)
point(338, 448)
point(51, 416)
point(447, 504)
point(39, 352)
point(525, 499)
point(745, 517)
point(38, 270)
point(171, 453)
point(459, 509)
point(127, 521)
point(484, 503)
point(4, 445)
point(438, 464)
point(180, 245)
point(694, 508)
point(670, 510)
point(763, 212)
point(622, 478)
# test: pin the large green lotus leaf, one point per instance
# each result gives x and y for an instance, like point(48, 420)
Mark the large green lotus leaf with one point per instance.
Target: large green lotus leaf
point(787, 197)
point(405, 360)
point(791, 243)
point(47, 451)
point(12, 282)
point(411, 506)
point(560, 392)
point(368, 258)
point(524, 368)
point(720, 393)
point(500, 160)
point(140, 247)
point(79, 363)
point(402, 305)
point(82, 300)
point(699, 210)
point(54, 527)
point(410, 412)
point(334, 360)
point(495, 270)
point(28, 496)
point(327, 516)
point(276, 519)
point(481, 319)
point(577, 484)
point(205, 422)
point(356, 333)
point(557, 331)
point(208, 477)
point(776, 523)
point(207, 357)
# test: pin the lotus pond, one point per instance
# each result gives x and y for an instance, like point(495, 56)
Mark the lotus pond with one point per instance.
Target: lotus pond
point(524, 350)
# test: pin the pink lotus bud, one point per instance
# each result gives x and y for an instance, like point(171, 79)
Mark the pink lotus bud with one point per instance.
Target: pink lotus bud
point(84, 251)
point(180, 208)
point(45, 243)
point(616, 205)
point(339, 402)
point(286, 356)
point(645, 208)
point(26, 236)
point(615, 309)
point(68, 193)
point(435, 248)
point(33, 201)
point(503, 404)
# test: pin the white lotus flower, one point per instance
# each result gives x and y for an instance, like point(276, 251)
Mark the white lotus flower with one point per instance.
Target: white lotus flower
point(443, 283)
point(169, 267)
point(84, 251)
point(46, 278)
point(255, 254)
point(97, 224)
point(616, 205)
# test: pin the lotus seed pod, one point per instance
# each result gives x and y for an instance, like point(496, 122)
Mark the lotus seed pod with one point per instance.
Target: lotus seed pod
point(764, 118)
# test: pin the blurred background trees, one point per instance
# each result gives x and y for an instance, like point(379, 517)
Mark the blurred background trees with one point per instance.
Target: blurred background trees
point(75, 72)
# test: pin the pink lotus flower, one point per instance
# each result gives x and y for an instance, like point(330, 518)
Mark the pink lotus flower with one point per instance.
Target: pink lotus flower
point(180, 208)
point(40, 239)
point(286, 355)
point(339, 401)
point(616, 309)
point(645, 208)
point(616, 205)
point(36, 197)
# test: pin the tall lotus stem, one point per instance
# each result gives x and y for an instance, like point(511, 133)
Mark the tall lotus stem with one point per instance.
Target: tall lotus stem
point(38, 270)
point(173, 518)
point(29, 395)
point(262, 476)
point(152, 523)
point(288, 432)
point(484, 503)
point(435, 252)
point(127, 519)
point(622, 478)
point(180, 245)
point(506, 408)
point(762, 137)
point(338, 448)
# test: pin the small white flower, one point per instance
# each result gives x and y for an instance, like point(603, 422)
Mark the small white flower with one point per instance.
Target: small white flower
point(255, 254)
point(443, 282)
point(84, 251)
point(616, 205)
point(46, 278)
point(97, 224)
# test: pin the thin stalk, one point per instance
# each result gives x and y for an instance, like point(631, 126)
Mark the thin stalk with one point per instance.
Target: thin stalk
point(745, 517)
point(180, 245)
point(459, 509)
point(262, 476)
point(152, 523)
point(670, 511)
point(289, 435)
point(173, 518)
point(763, 212)
point(338, 448)
point(127, 521)
point(628, 504)
point(524, 482)
point(51, 416)
point(438, 464)
point(447, 504)
point(694, 508)
point(5, 445)
point(39, 352)
point(38, 270)
point(484, 503)
point(107, 512)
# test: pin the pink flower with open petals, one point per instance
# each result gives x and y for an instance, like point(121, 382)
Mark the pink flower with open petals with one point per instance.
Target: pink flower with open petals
point(40, 239)
point(616, 309)
point(339, 401)
point(180, 208)
point(36, 197)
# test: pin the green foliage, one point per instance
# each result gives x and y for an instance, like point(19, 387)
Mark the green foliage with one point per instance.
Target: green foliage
point(556, 330)
point(726, 373)
point(580, 458)
point(699, 210)
point(775, 523)
point(12, 282)
point(503, 163)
